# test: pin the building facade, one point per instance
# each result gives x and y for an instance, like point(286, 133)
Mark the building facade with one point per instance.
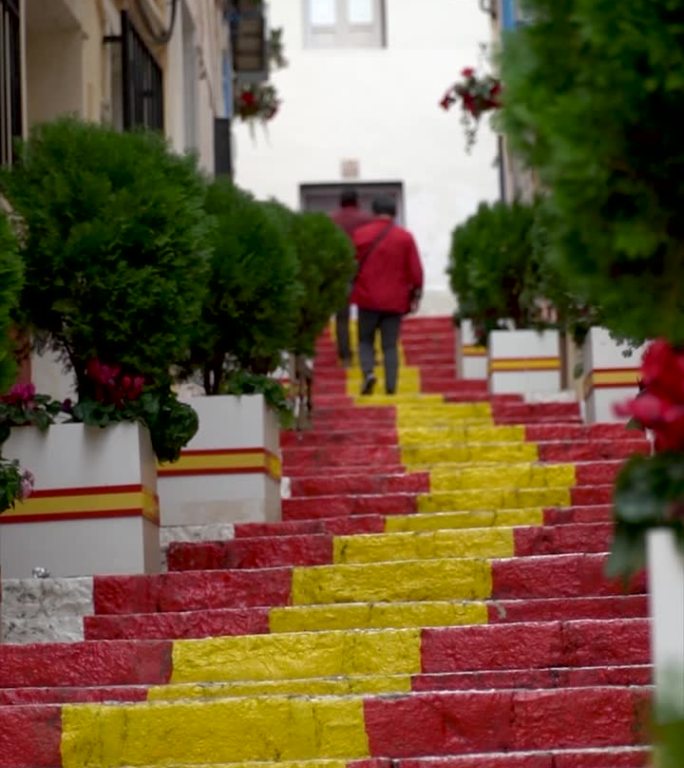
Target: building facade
point(154, 63)
point(360, 108)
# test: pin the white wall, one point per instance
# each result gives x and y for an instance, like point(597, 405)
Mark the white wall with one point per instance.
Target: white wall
point(380, 107)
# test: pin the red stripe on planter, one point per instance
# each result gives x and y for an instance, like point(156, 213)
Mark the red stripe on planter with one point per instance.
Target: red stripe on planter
point(96, 515)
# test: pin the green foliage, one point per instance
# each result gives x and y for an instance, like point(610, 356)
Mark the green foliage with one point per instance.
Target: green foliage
point(601, 123)
point(252, 294)
point(171, 424)
point(115, 250)
point(648, 493)
point(492, 267)
point(326, 265)
point(240, 382)
point(15, 484)
point(10, 285)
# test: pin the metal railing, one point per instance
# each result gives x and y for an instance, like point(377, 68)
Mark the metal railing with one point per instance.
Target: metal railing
point(10, 79)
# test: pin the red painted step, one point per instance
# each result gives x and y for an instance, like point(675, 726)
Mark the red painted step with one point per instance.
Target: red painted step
point(342, 456)
point(360, 483)
point(591, 450)
point(72, 694)
point(317, 548)
point(503, 721)
point(305, 508)
point(557, 609)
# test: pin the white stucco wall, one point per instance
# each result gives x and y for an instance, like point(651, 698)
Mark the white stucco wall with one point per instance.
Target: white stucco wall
point(380, 107)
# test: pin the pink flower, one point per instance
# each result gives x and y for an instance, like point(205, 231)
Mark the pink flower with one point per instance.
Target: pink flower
point(20, 394)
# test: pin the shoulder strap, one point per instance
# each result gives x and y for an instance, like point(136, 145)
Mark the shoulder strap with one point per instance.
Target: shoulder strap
point(374, 244)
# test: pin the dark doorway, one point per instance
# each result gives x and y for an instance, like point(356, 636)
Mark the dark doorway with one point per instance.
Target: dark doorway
point(325, 197)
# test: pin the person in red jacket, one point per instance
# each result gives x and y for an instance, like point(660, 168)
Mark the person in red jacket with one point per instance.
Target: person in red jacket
point(348, 217)
point(388, 285)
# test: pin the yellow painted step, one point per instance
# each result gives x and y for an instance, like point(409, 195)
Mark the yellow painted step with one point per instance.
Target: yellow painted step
point(267, 764)
point(427, 613)
point(466, 519)
point(465, 579)
point(493, 498)
point(239, 730)
point(398, 400)
point(430, 545)
point(440, 413)
point(426, 456)
point(297, 655)
point(322, 686)
point(460, 433)
point(407, 373)
point(496, 476)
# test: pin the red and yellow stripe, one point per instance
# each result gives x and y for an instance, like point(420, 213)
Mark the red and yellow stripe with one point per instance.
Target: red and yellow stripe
point(227, 461)
point(514, 364)
point(95, 502)
point(611, 378)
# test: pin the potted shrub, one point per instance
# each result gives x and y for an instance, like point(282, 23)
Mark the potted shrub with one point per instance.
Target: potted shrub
point(15, 483)
point(496, 278)
point(230, 469)
point(600, 125)
point(115, 257)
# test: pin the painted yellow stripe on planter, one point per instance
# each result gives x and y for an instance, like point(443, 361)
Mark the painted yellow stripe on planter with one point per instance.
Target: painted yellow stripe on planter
point(525, 364)
point(417, 456)
point(230, 730)
point(495, 498)
point(230, 460)
point(324, 686)
point(466, 519)
point(459, 433)
point(85, 505)
point(472, 350)
point(377, 548)
point(293, 656)
point(502, 476)
point(427, 613)
point(618, 377)
point(401, 581)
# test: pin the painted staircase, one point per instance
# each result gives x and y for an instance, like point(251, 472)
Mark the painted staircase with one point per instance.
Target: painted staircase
point(434, 598)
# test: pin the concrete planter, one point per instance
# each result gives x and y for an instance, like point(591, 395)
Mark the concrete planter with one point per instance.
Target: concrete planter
point(524, 362)
point(94, 508)
point(609, 376)
point(230, 470)
point(471, 359)
point(666, 597)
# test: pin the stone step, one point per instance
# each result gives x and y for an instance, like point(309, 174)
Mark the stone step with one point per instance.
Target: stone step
point(536, 576)
point(340, 526)
point(463, 500)
point(320, 548)
point(554, 677)
point(599, 473)
point(262, 620)
point(301, 728)
point(328, 653)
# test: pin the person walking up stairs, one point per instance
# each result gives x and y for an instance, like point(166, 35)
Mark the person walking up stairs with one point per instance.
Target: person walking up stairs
point(433, 598)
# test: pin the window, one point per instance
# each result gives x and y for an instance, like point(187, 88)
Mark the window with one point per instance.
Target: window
point(10, 79)
point(344, 23)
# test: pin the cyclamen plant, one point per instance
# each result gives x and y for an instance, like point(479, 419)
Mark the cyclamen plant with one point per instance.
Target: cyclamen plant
point(649, 491)
point(15, 484)
point(257, 101)
point(476, 96)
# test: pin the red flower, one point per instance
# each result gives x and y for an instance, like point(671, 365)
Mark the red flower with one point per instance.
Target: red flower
point(447, 101)
point(468, 72)
point(248, 99)
point(660, 404)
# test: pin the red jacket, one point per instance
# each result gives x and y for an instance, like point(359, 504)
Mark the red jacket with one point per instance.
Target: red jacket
point(388, 277)
point(350, 218)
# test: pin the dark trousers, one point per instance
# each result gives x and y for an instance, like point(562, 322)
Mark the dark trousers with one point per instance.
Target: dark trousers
point(342, 331)
point(388, 323)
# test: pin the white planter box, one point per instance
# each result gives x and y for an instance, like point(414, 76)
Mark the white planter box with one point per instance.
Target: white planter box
point(94, 508)
point(471, 359)
point(666, 598)
point(524, 362)
point(609, 376)
point(230, 470)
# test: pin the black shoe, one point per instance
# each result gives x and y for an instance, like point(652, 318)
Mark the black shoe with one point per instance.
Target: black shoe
point(368, 384)
point(390, 392)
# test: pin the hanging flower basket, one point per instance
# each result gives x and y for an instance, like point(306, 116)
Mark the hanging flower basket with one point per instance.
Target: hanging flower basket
point(476, 95)
point(257, 101)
